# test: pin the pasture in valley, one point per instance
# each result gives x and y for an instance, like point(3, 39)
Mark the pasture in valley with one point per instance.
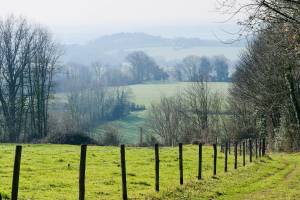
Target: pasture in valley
point(145, 94)
point(51, 172)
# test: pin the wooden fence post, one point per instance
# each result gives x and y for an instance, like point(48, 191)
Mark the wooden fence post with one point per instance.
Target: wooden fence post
point(246, 147)
point(200, 162)
point(180, 164)
point(141, 136)
point(156, 168)
point(82, 172)
point(226, 156)
point(235, 154)
point(250, 150)
point(215, 159)
point(240, 148)
point(244, 153)
point(264, 147)
point(123, 171)
point(16, 173)
point(259, 152)
point(256, 155)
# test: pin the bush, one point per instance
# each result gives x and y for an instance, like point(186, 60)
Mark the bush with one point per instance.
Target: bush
point(75, 138)
point(111, 136)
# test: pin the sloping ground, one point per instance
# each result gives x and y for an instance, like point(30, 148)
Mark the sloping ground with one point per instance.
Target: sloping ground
point(145, 94)
point(51, 172)
point(274, 177)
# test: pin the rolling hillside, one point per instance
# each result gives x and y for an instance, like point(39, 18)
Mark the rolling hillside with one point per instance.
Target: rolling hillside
point(146, 94)
point(112, 49)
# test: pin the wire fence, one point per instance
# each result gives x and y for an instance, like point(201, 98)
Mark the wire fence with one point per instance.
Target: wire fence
point(231, 154)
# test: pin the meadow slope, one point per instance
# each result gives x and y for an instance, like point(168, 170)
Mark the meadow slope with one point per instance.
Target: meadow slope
point(146, 94)
point(51, 172)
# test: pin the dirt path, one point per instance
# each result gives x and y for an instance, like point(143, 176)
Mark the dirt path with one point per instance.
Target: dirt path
point(286, 185)
point(274, 177)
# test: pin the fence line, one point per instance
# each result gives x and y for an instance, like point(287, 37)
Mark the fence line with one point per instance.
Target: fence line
point(226, 155)
point(260, 150)
point(215, 159)
point(156, 167)
point(82, 172)
point(16, 173)
point(235, 154)
point(123, 171)
point(180, 164)
point(200, 161)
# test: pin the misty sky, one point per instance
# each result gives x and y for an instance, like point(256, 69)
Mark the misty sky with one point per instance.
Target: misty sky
point(78, 21)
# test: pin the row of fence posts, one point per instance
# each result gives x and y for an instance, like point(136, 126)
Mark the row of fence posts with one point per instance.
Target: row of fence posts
point(260, 150)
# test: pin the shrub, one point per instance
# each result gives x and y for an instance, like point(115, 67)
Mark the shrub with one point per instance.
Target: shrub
point(75, 138)
point(111, 136)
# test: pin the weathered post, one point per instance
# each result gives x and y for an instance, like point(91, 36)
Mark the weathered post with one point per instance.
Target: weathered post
point(235, 154)
point(16, 173)
point(215, 159)
point(226, 156)
point(256, 155)
point(240, 148)
point(264, 147)
point(141, 136)
point(244, 153)
point(200, 162)
point(250, 150)
point(246, 146)
point(259, 152)
point(180, 164)
point(123, 171)
point(82, 172)
point(156, 167)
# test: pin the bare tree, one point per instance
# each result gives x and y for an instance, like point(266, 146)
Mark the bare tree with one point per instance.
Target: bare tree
point(16, 45)
point(165, 119)
point(28, 57)
point(193, 115)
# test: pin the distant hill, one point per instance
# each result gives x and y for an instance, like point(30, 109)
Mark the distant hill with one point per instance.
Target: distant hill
point(114, 48)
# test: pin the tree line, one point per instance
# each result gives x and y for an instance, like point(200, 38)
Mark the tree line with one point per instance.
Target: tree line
point(192, 68)
point(29, 70)
point(91, 103)
point(139, 68)
point(28, 60)
point(265, 95)
point(193, 115)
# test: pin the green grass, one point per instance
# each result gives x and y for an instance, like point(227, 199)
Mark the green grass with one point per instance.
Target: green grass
point(45, 174)
point(127, 126)
point(275, 177)
point(148, 93)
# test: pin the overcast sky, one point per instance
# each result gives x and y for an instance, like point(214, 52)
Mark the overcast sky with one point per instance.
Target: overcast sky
point(78, 21)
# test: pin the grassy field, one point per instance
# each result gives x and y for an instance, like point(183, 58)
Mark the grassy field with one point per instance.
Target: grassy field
point(145, 94)
point(152, 92)
point(275, 177)
point(45, 174)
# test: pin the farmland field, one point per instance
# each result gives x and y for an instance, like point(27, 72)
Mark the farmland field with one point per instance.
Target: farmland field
point(145, 94)
point(150, 93)
point(51, 172)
